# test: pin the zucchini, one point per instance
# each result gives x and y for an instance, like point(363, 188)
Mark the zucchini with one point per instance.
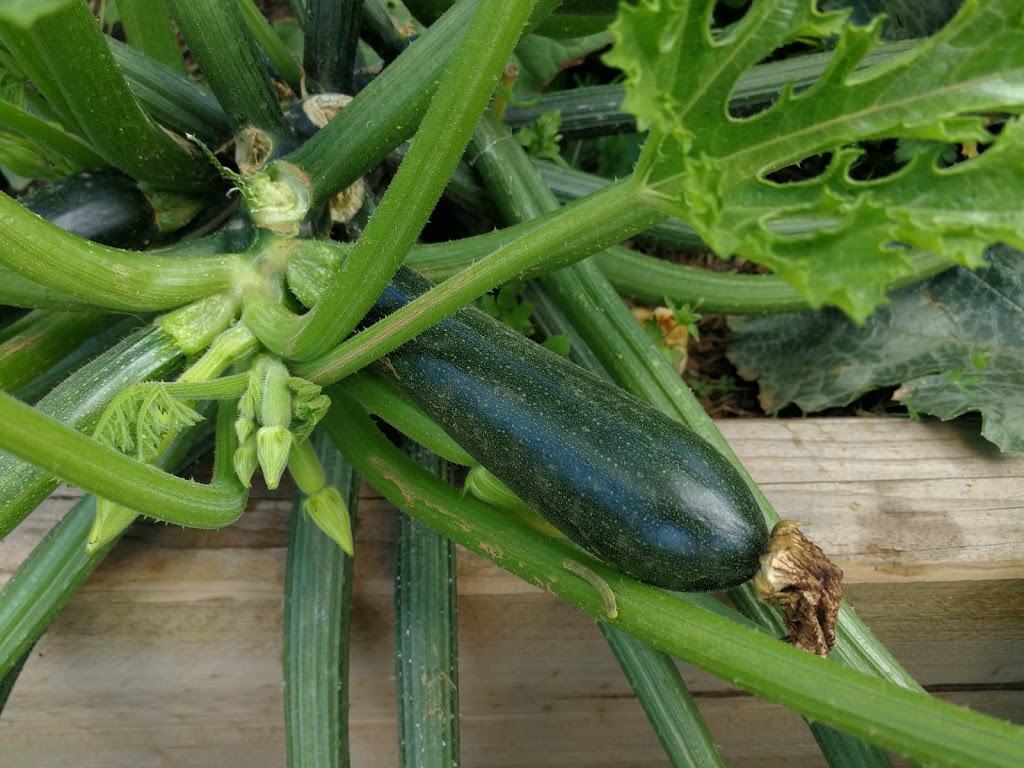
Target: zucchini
point(102, 205)
point(638, 490)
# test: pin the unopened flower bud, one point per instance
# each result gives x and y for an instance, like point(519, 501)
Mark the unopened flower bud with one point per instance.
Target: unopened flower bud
point(328, 510)
point(111, 520)
point(246, 460)
point(273, 445)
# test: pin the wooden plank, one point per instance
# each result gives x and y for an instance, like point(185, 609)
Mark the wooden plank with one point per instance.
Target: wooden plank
point(170, 655)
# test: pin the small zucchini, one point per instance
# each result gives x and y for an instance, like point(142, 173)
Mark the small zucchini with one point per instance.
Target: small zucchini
point(640, 491)
point(103, 205)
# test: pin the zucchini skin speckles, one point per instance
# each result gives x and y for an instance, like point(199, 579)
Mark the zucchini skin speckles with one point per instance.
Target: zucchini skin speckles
point(638, 490)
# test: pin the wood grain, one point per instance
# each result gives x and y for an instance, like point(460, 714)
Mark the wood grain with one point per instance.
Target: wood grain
point(170, 655)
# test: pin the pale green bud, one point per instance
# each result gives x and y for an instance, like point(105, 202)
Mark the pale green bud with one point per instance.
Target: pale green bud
point(273, 446)
point(244, 428)
point(328, 510)
point(111, 520)
point(246, 461)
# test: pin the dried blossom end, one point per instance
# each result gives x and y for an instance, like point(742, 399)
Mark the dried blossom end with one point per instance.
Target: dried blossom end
point(797, 576)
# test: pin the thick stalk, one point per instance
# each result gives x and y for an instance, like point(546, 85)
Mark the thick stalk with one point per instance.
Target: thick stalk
point(85, 81)
point(78, 459)
point(412, 194)
point(426, 638)
point(171, 99)
point(104, 276)
point(909, 722)
point(18, 291)
point(317, 605)
point(272, 45)
point(332, 35)
point(668, 704)
point(219, 40)
point(653, 281)
point(147, 27)
point(388, 110)
point(577, 223)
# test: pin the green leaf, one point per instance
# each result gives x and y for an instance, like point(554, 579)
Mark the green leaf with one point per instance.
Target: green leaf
point(541, 58)
point(25, 12)
point(953, 344)
point(711, 169)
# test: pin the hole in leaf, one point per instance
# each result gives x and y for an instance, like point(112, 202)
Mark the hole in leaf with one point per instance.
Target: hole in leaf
point(726, 15)
point(880, 159)
point(808, 168)
point(946, 155)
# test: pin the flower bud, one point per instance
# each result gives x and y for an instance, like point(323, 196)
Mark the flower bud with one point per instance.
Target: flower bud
point(328, 510)
point(245, 460)
point(111, 520)
point(273, 446)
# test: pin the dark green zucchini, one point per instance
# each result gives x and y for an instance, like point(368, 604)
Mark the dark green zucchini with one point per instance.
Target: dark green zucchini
point(103, 205)
point(638, 490)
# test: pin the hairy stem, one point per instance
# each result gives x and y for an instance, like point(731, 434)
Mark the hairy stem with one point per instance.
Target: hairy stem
point(412, 194)
point(574, 223)
point(78, 459)
point(104, 276)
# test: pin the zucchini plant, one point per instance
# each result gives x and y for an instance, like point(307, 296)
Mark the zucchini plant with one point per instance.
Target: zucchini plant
point(268, 266)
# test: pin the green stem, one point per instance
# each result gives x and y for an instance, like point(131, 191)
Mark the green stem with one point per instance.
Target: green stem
point(272, 45)
point(219, 40)
point(653, 281)
point(49, 136)
point(412, 194)
point(45, 339)
point(84, 81)
point(426, 638)
point(104, 276)
point(381, 398)
point(908, 722)
point(173, 100)
point(578, 223)
point(147, 27)
point(331, 39)
point(18, 291)
point(666, 701)
point(317, 606)
point(379, 30)
point(78, 459)
point(387, 111)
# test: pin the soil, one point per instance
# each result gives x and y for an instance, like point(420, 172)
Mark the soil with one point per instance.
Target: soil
point(715, 380)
